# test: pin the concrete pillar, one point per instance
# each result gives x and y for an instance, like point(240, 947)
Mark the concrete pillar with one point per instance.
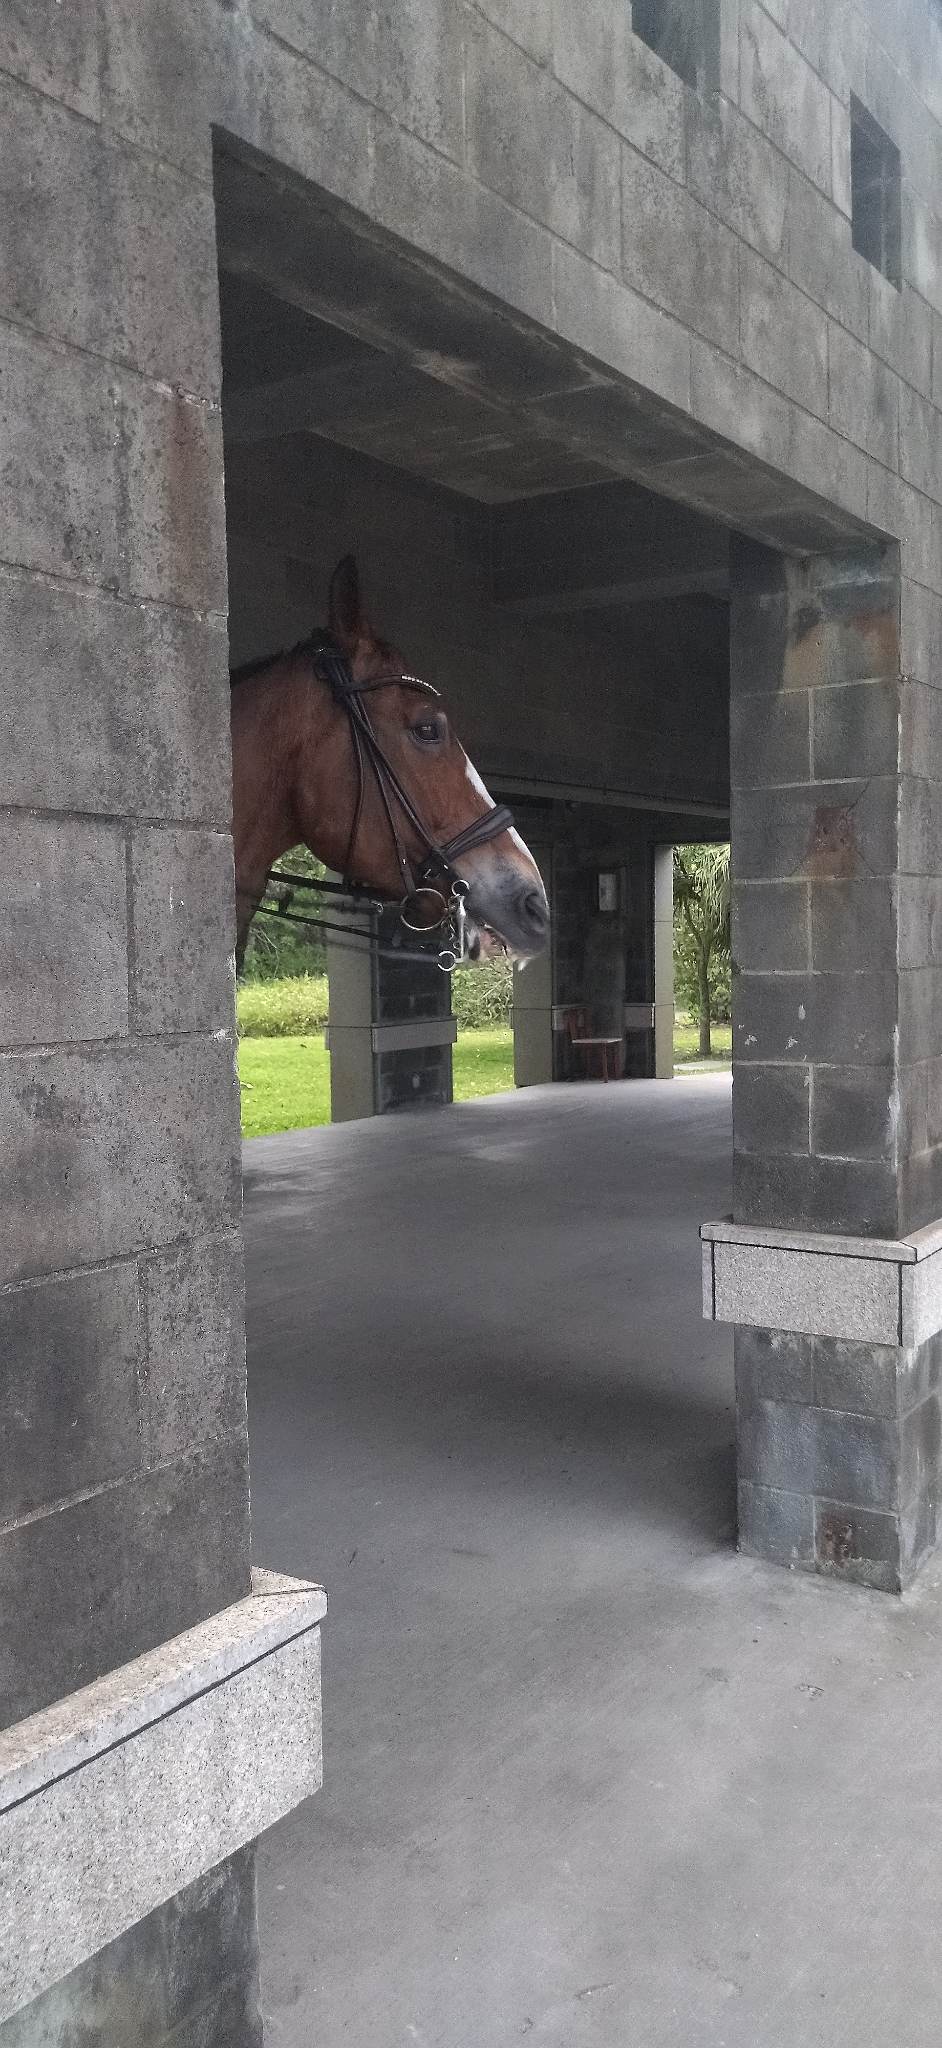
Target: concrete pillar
point(827, 1269)
point(663, 963)
point(137, 1654)
point(351, 977)
point(533, 1001)
point(391, 1030)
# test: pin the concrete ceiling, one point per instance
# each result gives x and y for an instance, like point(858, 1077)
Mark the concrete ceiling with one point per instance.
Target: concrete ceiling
point(600, 494)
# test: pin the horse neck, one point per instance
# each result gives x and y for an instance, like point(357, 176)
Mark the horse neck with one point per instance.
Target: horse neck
point(275, 716)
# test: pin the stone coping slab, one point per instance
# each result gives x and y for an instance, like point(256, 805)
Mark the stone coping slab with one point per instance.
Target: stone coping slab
point(868, 1290)
point(116, 1798)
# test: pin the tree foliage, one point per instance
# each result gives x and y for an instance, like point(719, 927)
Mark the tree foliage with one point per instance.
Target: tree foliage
point(702, 934)
point(276, 950)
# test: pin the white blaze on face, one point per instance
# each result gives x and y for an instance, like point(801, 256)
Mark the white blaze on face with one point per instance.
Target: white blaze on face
point(484, 793)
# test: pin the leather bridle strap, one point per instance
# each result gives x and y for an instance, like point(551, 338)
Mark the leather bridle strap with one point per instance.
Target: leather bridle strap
point(333, 667)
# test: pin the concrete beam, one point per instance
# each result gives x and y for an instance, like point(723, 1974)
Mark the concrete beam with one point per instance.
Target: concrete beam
point(607, 544)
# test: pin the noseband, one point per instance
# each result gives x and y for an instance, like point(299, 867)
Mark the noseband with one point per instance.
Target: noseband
point(421, 885)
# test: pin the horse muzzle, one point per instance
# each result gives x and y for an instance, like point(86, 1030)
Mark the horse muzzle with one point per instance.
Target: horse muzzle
point(514, 912)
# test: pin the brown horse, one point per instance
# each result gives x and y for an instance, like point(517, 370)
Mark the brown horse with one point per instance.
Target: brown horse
point(296, 778)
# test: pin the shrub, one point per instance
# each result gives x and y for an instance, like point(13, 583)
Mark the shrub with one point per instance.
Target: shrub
point(283, 1009)
point(482, 996)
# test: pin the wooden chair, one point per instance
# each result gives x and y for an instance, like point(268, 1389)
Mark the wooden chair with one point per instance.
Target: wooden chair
point(599, 1052)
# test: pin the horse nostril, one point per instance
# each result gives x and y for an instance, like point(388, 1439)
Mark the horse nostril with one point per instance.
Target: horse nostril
point(535, 910)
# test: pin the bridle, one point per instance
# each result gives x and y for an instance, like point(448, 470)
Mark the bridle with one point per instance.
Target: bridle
point(425, 906)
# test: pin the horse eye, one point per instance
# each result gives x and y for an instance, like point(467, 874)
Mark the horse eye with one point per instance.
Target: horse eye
point(430, 732)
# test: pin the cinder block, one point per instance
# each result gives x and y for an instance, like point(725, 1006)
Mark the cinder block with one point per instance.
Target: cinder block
point(852, 1458)
point(852, 922)
point(597, 313)
point(921, 1446)
point(934, 1085)
point(56, 251)
point(732, 402)
point(817, 831)
point(854, 1113)
point(531, 141)
point(111, 707)
point(857, 1379)
point(183, 976)
point(419, 70)
point(605, 65)
point(56, 50)
point(920, 1013)
point(165, 284)
point(341, 43)
point(63, 930)
point(193, 1385)
point(776, 1526)
point(90, 1586)
point(856, 1195)
point(855, 730)
point(770, 739)
point(759, 624)
point(859, 1547)
point(678, 254)
point(920, 741)
point(71, 1352)
point(176, 529)
point(831, 1017)
point(527, 22)
point(920, 456)
point(864, 398)
point(770, 927)
point(784, 335)
point(770, 1108)
point(901, 331)
point(773, 1365)
point(61, 506)
point(108, 1151)
point(913, 1108)
point(736, 173)
point(821, 258)
point(785, 97)
point(168, 78)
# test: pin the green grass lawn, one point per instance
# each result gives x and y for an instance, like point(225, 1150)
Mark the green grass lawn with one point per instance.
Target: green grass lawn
point(687, 1044)
point(286, 1081)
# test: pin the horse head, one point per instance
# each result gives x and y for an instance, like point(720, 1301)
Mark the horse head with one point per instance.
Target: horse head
point(352, 816)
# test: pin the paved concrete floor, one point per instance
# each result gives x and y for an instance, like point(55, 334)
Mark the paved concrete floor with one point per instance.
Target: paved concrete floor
point(592, 1780)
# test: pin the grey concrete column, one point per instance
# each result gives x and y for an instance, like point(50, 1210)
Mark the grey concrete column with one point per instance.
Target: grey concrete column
point(351, 977)
point(391, 1030)
point(533, 1001)
point(664, 963)
point(837, 1034)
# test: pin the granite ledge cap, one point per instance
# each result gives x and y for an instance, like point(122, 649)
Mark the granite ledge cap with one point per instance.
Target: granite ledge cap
point(34, 1753)
point(897, 1251)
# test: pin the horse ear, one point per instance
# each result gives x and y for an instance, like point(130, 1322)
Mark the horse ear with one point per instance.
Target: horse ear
point(345, 620)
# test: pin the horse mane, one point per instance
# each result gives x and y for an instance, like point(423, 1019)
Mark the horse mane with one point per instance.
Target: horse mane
point(313, 644)
point(260, 662)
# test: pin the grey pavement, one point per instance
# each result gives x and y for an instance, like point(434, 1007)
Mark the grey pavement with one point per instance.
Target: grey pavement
point(591, 1779)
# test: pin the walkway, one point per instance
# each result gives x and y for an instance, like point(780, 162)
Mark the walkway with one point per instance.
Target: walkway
point(592, 1780)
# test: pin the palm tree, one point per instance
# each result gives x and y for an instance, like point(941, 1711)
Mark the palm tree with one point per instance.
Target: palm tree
point(702, 895)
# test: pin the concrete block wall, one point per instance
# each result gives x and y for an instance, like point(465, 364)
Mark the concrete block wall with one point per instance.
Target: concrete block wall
point(698, 246)
point(123, 1469)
